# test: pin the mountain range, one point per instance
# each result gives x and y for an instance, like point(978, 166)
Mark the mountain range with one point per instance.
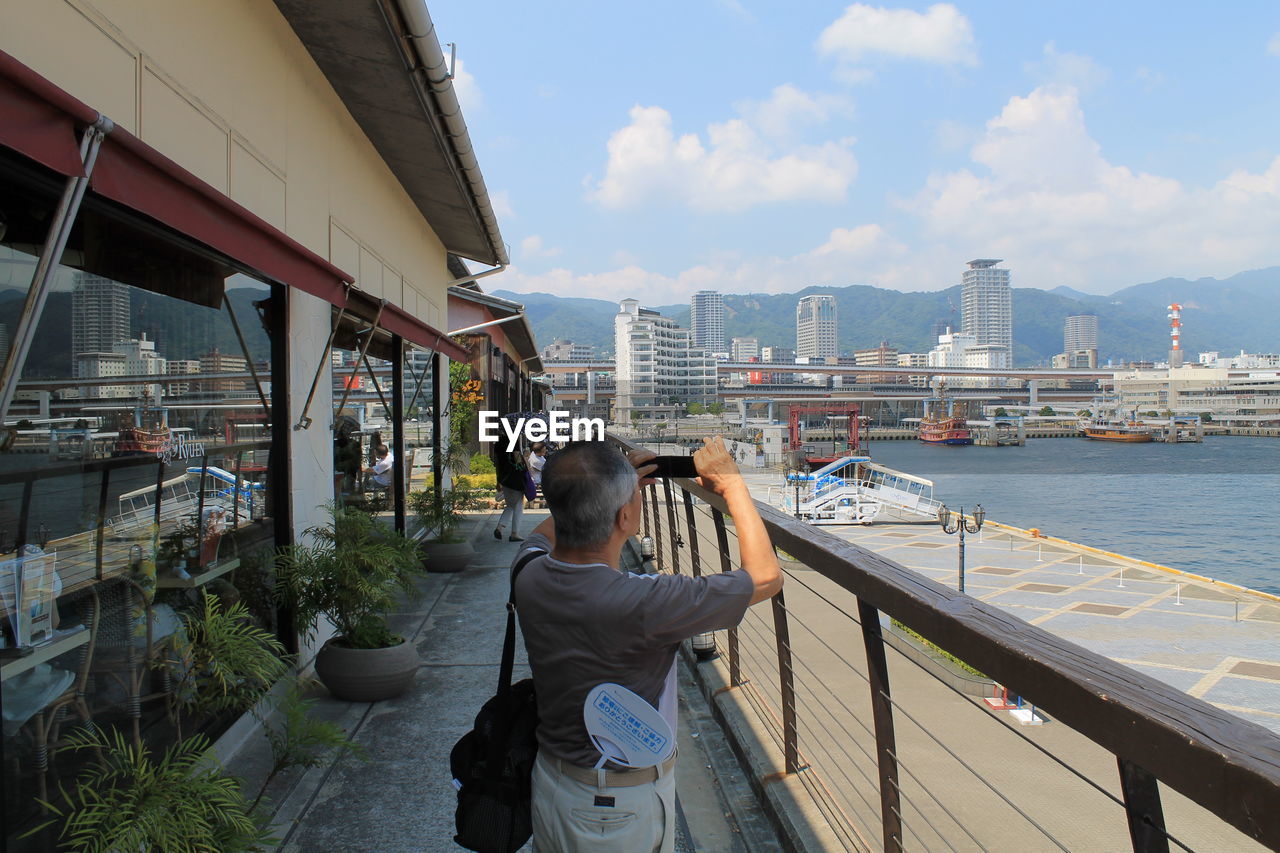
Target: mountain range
point(1228, 315)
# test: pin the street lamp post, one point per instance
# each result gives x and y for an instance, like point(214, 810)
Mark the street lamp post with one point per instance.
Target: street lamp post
point(956, 523)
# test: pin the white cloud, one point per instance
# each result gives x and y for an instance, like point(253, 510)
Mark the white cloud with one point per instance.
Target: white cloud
point(1067, 69)
point(940, 34)
point(790, 110)
point(735, 169)
point(863, 253)
point(1273, 46)
point(1043, 196)
point(468, 91)
point(531, 247)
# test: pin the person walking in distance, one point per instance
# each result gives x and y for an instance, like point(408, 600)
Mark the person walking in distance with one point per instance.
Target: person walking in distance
point(587, 623)
point(511, 473)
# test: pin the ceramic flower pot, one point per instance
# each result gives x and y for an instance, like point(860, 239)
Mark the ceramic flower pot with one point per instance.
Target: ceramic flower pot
point(366, 675)
point(447, 556)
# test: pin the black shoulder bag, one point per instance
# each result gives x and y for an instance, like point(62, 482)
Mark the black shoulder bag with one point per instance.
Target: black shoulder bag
point(492, 764)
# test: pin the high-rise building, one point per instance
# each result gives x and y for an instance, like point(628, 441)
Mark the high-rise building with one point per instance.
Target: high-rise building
point(816, 327)
point(1080, 332)
point(99, 314)
point(986, 304)
point(706, 321)
point(744, 349)
point(656, 366)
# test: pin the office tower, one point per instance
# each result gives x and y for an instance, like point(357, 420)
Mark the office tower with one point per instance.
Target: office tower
point(986, 304)
point(881, 356)
point(706, 321)
point(744, 349)
point(816, 327)
point(1080, 332)
point(656, 365)
point(99, 314)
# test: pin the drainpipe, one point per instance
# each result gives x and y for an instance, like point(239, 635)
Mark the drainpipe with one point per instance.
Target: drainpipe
point(426, 46)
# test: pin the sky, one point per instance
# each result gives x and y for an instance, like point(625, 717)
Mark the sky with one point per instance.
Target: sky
point(653, 149)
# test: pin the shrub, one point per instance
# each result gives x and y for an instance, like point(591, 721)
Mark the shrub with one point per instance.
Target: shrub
point(481, 464)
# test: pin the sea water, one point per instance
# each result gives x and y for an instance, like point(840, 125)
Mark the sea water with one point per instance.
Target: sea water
point(1211, 508)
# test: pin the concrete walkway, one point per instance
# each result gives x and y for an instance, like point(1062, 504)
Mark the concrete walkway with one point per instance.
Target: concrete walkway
point(402, 798)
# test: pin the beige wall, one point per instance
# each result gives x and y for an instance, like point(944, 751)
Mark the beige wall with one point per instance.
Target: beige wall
point(225, 89)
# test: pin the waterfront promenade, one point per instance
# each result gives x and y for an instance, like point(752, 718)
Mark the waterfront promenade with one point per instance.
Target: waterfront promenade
point(1216, 641)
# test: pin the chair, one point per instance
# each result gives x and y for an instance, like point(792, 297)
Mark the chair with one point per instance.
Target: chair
point(126, 651)
point(47, 723)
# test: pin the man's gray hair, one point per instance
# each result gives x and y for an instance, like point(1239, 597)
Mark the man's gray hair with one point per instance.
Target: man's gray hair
point(585, 485)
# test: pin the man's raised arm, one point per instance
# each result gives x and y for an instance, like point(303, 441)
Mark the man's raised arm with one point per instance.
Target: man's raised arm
point(718, 472)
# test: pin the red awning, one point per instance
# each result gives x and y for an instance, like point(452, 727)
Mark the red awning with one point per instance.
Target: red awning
point(39, 120)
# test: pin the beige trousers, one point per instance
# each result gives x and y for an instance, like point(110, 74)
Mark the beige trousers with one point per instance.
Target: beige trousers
point(573, 817)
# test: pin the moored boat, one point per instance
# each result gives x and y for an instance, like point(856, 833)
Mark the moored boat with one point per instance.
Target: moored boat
point(1108, 430)
point(949, 430)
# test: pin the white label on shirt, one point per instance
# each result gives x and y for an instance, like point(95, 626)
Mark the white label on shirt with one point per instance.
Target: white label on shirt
point(626, 728)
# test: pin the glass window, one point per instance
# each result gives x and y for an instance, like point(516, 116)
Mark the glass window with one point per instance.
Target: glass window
point(135, 475)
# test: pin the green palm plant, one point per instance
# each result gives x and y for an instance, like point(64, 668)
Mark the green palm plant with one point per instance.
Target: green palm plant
point(128, 800)
point(221, 662)
point(350, 571)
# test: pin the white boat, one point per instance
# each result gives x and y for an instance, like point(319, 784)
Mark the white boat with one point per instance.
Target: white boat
point(855, 490)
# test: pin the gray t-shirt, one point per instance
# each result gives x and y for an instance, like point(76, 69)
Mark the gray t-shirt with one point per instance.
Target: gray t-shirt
point(585, 625)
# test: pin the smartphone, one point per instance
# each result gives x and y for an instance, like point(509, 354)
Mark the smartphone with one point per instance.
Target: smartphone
point(674, 466)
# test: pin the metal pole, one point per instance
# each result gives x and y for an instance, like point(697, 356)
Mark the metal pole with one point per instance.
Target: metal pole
point(786, 676)
point(961, 585)
point(439, 368)
point(397, 430)
point(50, 254)
point(882, 716)
point(722, 540)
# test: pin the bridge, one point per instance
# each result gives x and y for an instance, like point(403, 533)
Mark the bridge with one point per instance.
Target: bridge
point(727, 367)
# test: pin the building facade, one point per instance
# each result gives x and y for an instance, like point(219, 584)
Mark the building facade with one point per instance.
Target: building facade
point(100, 314)
point(986, 304)
point(706, 321)
point(568, 351)
point(275, 209)
point(816, 327)
point(1080, 332)
point(744, 349)
point(659, 372)
point(1230, 396)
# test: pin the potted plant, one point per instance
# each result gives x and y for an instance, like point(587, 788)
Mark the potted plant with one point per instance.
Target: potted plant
point(351, 572)
point(445, 549)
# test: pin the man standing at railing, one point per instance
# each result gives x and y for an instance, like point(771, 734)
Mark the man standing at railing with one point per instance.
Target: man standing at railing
point(586, 623)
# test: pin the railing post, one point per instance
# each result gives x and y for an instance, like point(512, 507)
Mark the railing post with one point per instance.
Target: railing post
point(99, 542)
point(671, 526)
point(644, 510)
point(693, 533)
point(726, 565)
point(882, 714)
point(786, 678)
point(1143, 809)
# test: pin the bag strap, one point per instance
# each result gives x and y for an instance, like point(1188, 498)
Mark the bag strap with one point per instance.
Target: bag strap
point(509, 644)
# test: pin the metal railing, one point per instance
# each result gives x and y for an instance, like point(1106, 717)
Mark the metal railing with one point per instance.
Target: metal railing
point(1126, 761)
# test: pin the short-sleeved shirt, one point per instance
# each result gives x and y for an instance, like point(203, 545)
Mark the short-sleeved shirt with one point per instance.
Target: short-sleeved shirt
point(585, 625)
point(382, 470)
